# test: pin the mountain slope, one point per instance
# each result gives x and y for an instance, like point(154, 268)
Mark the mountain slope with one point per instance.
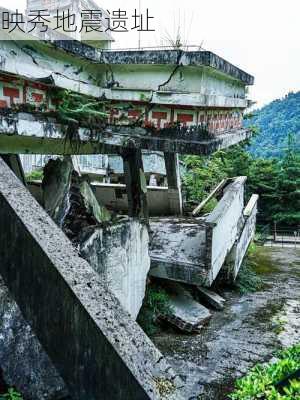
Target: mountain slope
point(275, 121)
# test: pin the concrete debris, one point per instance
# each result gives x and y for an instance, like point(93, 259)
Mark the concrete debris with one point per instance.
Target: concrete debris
point(211, 298)
point(187, 314)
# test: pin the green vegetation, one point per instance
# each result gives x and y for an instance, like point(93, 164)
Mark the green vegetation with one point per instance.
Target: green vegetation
point(74, 108)
point(36, 175)
point(276, 181)
point(275, 121)
point(11, 394)
point(156, 303)
point(247, 280)
point(261, 382)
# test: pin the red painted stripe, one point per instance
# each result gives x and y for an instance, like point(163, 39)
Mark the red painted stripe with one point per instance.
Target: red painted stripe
point(11, 92)
point(159, 115)
point(134, 113)
point(185, 117)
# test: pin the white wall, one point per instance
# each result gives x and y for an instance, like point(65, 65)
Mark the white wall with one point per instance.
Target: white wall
point(120, 255)
point(106, 194)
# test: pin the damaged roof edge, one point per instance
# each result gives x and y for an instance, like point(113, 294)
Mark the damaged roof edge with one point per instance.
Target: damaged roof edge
point(151, 57)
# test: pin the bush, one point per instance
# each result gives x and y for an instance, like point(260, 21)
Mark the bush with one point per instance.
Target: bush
point(261, 382)
point(247, 280)
point(11, 394)
point(156, 303)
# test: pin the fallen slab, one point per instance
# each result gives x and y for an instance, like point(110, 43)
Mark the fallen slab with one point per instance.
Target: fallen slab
point(186, 314)
point(211, 298)
point(99, 351)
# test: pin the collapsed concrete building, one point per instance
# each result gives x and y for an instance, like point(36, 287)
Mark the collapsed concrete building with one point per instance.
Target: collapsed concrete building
point(83, 293)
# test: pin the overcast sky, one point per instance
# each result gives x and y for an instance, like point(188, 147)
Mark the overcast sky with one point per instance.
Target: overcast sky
point(260, 36)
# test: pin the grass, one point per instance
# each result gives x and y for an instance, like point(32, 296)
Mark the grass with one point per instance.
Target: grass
point(262, 381)
point(156, 302)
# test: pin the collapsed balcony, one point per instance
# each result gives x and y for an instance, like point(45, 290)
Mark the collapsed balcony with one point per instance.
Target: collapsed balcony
point(194, 249)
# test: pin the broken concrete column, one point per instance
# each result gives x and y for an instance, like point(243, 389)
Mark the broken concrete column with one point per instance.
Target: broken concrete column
point(56, 187)
point(119, 253)
point(69, 199)
point(136, 184)
point(174, 183)
point(98, 350)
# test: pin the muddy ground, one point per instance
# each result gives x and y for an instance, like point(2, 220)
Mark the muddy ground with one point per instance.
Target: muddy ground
point(249, 330)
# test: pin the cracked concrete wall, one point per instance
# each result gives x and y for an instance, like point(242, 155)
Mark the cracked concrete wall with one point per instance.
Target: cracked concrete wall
point(181, 79)
point(119, 253)
point(197, 85)
point(41, 62)
point(98, 350)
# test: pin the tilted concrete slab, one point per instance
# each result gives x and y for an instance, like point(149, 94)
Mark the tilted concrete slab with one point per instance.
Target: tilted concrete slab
point(178, 249)
point(247, 233)
point(98, 350)
point(25, 133)
point(225, 222)
point(194, 250)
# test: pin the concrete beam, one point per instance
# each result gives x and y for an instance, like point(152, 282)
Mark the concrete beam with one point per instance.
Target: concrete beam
point(174, 183)
point(14, 163)
point(98, 350)
point(24, 133)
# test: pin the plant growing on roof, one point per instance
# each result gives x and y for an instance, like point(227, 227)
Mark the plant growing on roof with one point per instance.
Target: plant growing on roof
point(76, 108)
point(11, 394)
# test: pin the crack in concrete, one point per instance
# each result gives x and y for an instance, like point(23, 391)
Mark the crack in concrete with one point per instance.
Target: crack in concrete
point(178, 65)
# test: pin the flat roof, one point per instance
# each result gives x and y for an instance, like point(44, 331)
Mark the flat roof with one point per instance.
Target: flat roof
point(155, 57)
